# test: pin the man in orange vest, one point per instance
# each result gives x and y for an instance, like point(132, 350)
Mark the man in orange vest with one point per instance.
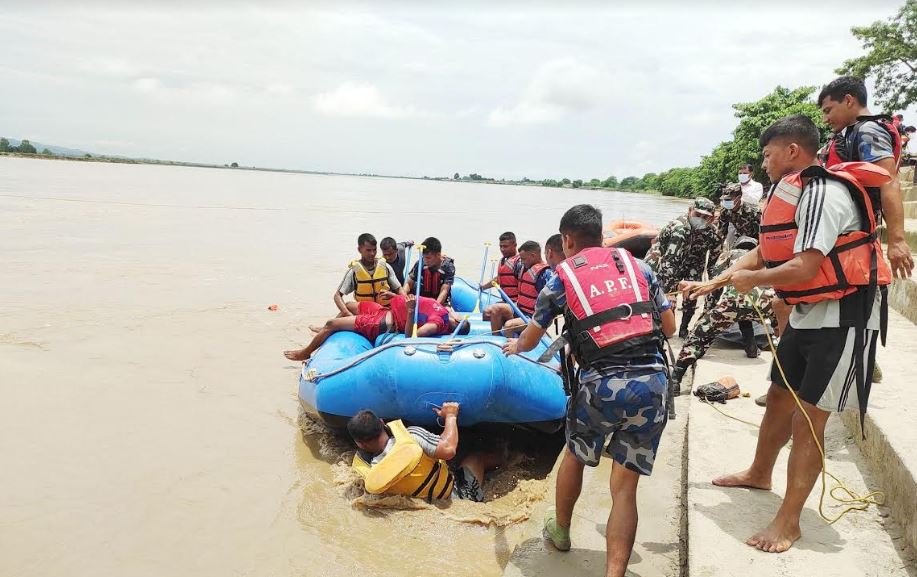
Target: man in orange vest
point(828, 349)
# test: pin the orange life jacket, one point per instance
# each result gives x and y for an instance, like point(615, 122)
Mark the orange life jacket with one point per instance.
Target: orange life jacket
point(506, 276)
point(855, 261)
point(528, 292)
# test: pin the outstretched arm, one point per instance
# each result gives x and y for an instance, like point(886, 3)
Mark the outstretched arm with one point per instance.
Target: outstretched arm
point(899, 252)
point(448, 440)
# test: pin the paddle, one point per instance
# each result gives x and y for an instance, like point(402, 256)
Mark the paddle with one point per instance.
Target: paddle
point(407, 261)
point(477, 305)
point(420, 248)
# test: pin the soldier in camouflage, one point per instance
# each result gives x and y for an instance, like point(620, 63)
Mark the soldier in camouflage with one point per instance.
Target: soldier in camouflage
point(737, 218)
point(682, 250)
point(731, 307)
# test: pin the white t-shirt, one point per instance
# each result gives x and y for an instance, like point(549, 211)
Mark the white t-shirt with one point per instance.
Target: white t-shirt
point(825, 211)
point(752, 191)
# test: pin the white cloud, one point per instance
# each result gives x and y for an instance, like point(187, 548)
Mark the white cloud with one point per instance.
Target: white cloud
point(558, 87)
point(147, 85)
point(358, 100)
point(279, 89)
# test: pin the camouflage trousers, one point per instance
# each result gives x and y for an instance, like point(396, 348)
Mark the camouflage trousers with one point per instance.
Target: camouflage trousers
point(729, 309)
point(623, 413)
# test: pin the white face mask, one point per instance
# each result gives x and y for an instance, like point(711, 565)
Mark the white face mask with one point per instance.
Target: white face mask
point(697, 222)
point(744, 178)
point(729, 204)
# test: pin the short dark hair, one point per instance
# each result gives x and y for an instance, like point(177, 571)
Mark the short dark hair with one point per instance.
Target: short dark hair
point(432, 245)
point(749, 166)
point(530, 246)
point(899, 116)
point(508, 236)
point(798, 128)
point(910, 129)
point(366, 238)
point(464, 327)
point(387, 243)
point(364, 426)
point(584, 223)
point(838, 88)
point(555, 243)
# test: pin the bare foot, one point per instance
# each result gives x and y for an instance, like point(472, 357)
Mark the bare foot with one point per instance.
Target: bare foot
point(744, 479)
point(315, 328)
point(777, 537)
point(300, 355)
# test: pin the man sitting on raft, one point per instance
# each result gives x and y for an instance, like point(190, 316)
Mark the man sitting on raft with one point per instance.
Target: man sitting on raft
point(373, 319)
point(368, 279)
point(438, 273)
point(411, 461)
point(531, 281)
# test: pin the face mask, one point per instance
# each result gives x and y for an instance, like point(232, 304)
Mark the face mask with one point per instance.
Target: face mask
point(697, 222)
point(744, 178)
point(729, 204)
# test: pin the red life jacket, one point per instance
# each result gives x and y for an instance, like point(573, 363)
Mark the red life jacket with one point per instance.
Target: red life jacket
point(842, 148)
point(432, 281)
point(855, 261)
point(528, 292)
point(506, 276)
point(610, 311)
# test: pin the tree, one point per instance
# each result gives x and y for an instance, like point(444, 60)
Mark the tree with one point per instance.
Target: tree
point(234, 165)
point(595, 183)
point(577, 183)
point(47, 152)
point(5, 145)
point(627, 183)
point(565, 181)
point(456, 176)
point(25, 147)
point(891, 58)
point(610, 182)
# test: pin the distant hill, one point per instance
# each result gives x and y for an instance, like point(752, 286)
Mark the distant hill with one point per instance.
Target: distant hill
point(59, 150)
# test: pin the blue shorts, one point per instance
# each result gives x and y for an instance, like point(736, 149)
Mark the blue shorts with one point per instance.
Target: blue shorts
point(623, 413)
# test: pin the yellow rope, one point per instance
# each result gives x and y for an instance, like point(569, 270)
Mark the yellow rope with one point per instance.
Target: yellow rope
point(856, 502)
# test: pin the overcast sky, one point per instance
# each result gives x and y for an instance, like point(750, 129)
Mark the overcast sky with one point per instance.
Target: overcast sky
point(536, 90)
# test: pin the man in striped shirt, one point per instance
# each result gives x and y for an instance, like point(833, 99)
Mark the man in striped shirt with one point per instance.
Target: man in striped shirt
point(817, 352)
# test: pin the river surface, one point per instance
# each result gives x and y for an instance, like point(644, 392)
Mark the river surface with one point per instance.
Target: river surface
point(148, 421)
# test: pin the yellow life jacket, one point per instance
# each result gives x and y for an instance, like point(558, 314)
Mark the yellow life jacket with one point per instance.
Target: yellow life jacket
point(405, 470)
point(368, 286)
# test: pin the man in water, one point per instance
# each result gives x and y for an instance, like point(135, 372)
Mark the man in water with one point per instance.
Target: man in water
point(681, 250)
point(381, 447)
point(373, 319)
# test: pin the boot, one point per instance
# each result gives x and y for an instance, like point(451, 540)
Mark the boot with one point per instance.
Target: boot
point(678, 373)
point(748, 337)
point(685, 321)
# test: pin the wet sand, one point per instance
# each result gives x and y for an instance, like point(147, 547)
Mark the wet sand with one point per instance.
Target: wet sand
point(149, 424)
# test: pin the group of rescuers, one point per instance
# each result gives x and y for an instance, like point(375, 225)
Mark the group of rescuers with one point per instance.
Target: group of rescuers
point(810, 260)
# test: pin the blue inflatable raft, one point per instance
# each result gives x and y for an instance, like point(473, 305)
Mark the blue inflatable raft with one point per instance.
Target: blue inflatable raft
point(404, 378)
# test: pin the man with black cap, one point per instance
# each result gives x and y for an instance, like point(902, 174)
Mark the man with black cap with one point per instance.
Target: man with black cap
point(682, 249)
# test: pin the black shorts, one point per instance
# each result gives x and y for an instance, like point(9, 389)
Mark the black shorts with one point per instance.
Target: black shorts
point(819, 365)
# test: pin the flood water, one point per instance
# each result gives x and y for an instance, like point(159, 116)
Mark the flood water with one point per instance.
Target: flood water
point(148, 421)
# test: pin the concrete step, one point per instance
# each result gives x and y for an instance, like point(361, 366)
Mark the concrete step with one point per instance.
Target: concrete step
point(891, 436)
point(910, 209)
point(902, 297)
point(720, 520)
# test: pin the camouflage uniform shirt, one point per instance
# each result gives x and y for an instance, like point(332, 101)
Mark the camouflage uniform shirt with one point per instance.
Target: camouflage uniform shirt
point(746, 220)
point(680, 252)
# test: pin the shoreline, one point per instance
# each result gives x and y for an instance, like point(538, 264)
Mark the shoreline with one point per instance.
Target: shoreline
point(124, 160)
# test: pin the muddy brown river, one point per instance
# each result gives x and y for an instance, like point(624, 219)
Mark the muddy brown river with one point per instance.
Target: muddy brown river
point(149, 424)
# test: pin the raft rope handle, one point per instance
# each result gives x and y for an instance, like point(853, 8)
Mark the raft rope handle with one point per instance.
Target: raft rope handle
point(856, 502)
point(373, 352)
